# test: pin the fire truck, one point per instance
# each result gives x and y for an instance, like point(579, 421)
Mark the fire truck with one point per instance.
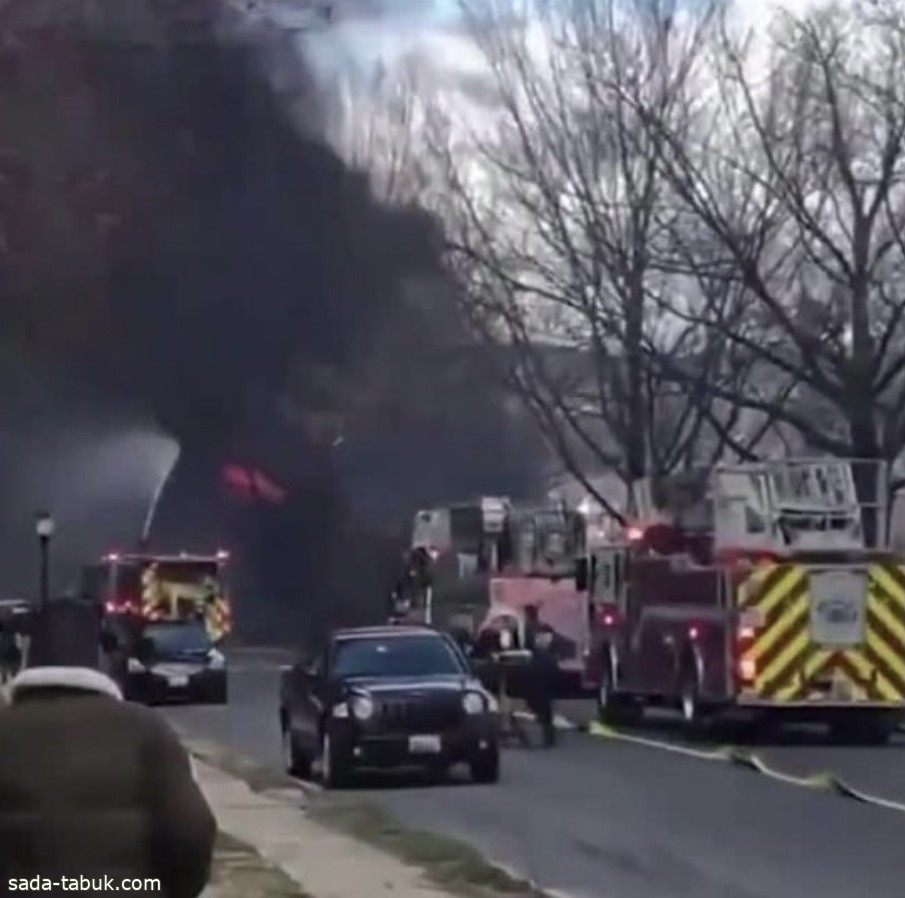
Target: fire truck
point(763, 590)
point(474, 566)
point(153, 587)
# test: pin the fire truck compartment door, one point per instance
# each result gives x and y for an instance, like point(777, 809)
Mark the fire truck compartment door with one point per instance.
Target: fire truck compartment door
point(838, 607)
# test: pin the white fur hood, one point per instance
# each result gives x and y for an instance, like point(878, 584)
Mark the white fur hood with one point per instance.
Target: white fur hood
point(79, 679)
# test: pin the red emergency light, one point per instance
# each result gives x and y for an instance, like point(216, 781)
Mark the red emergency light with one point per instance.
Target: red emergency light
point(608, 614)
point(122, 607)
point(746, 665)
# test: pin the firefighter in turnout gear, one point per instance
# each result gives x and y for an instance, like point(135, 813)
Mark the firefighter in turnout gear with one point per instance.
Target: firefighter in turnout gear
point(540, 678)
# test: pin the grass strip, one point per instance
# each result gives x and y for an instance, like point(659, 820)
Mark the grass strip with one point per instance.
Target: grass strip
point(453, 865)
point(447, 862)
point(240, 872)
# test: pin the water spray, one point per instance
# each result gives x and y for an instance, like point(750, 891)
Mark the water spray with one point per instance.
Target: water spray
point(158, 494)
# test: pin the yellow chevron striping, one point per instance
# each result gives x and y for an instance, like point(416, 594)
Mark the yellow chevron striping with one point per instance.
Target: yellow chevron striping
point(779, 664)
point(749, 587)
point(787, 583)
point(815, 662)
point(890, 658)
point(893, 625)
point(785, 644)
point(794, 687)
point(795, 616)
point(868, 672)
point(889, 585)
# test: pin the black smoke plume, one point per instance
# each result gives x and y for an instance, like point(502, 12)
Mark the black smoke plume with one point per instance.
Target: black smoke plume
point(215, 266)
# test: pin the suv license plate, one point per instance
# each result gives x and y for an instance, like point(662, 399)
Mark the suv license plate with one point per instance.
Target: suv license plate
point(178, 680)
point(424, 745)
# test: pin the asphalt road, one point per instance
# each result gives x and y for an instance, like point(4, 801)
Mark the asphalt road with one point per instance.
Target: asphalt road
point(804, 751)
point(600, 819)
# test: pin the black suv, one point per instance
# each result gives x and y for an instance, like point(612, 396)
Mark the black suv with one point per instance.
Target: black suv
point(387, 697)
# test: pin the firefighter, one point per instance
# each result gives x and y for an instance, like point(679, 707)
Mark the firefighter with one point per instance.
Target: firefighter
point(540, 675)
point(399, 603)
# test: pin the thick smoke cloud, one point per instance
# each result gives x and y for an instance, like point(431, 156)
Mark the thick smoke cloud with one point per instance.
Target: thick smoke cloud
point(241, 290)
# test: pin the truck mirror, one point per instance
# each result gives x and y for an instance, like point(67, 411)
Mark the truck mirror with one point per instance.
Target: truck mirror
point(582, 575)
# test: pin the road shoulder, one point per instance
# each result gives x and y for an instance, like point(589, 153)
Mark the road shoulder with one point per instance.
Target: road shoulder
point(320, 861)
point(239, 871)
point(340, 846)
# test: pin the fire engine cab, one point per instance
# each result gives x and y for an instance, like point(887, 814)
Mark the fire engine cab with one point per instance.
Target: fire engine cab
point(765, 589)
point(475, 566)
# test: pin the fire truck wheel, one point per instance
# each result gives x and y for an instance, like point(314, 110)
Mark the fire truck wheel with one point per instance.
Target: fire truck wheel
point(690, 697)
point(334, 769)
point(486, 769)
point(611, 707)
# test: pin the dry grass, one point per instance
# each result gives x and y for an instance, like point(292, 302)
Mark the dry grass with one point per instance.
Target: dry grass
point(240, 872)
point(449, 863)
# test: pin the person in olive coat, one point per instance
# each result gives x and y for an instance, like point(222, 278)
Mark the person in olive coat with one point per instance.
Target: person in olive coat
point(91, 785)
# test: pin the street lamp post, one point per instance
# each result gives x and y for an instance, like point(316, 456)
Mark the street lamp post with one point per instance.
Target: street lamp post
point(44, 527)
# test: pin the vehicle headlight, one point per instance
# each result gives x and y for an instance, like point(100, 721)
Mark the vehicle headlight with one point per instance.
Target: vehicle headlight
point(135, 666)
point(341, 710)
point(216, 660)
point(362, 707)
point(474, 703)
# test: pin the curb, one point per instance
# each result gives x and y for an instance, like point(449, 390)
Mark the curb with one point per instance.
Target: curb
point(560, 722)
point(823, 781)
point(226, 759)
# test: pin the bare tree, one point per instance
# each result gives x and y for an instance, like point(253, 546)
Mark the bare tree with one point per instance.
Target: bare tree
point(558, 217)
point(792, 207)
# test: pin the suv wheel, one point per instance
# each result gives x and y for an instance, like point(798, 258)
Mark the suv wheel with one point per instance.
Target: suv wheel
point(334, 769)
point(486, 767)
point(295, 763)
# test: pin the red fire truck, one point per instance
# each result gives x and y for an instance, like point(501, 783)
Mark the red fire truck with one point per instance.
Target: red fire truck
point(155, 587)
point(764, 589)
point(475, 566)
